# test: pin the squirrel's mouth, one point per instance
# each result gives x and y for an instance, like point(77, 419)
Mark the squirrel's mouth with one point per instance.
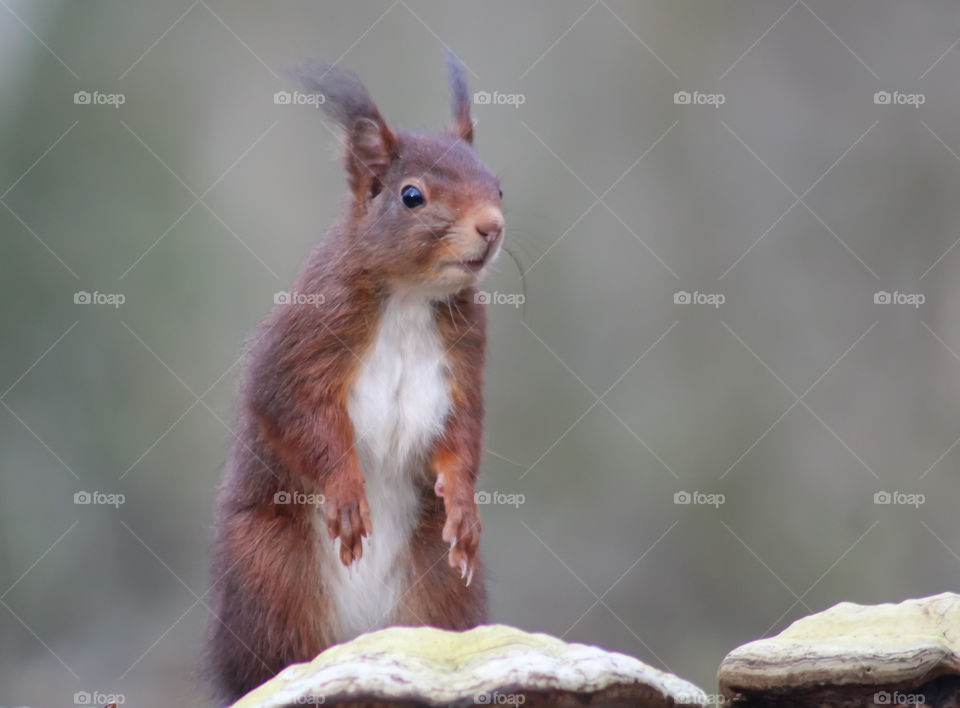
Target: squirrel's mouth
point(474, 265)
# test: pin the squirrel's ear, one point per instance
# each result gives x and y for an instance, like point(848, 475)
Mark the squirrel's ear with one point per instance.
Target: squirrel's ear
point(462, 122)
point(371, 145)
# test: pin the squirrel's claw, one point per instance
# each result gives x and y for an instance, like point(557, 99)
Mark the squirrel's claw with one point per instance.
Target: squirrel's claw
point(462, 532)
point(348, 519)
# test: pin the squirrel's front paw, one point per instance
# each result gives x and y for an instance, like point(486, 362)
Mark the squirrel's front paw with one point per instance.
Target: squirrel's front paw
point(462, 532)
point(348, 516)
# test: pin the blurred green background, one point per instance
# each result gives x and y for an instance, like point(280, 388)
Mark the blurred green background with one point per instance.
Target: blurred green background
point(798, 399)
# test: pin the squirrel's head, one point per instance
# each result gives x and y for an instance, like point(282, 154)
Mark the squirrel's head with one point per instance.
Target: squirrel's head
point(424, 210)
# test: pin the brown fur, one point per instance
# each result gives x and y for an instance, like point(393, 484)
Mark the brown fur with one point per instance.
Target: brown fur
point(294, 433)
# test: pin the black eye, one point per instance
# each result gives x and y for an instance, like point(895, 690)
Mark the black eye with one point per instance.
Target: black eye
point(412, 197)
point(501, 194)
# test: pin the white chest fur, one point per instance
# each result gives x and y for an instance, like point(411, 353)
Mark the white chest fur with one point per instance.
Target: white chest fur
point(398, 406)
point(400, 400)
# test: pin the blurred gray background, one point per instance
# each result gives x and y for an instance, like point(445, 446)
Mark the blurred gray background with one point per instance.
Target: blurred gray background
point(787, 188)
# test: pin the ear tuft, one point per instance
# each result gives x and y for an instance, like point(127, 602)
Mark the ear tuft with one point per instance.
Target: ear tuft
point(462, 122)
point(371, 145)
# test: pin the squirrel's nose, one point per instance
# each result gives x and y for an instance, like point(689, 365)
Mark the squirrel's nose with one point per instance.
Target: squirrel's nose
point(490, 226)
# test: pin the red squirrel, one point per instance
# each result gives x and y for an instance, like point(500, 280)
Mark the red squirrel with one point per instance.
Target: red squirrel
point(365, 387)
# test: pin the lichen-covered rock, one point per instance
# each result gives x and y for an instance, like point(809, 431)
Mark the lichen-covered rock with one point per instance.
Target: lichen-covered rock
point(489, 665)
point(854, 655)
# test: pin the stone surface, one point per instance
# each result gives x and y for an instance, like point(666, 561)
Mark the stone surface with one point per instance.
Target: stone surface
point(489, 665)
point(854, 655)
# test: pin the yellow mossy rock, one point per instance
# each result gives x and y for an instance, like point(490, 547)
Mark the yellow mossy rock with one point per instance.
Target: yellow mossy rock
point(489, 665)
point(898, 647)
